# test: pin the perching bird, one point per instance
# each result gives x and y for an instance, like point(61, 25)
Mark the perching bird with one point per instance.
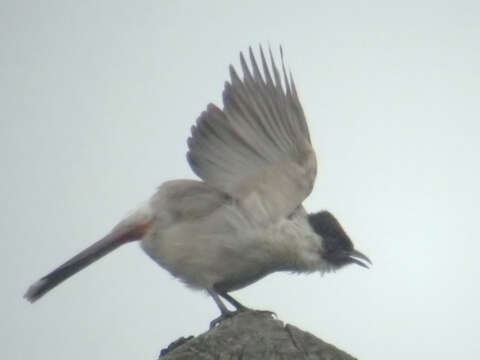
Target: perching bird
point(244, 219)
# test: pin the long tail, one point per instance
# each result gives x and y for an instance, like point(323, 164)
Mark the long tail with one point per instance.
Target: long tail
point(120, 235)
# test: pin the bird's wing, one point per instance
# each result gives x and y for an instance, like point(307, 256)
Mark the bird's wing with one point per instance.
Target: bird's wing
point(257, 148)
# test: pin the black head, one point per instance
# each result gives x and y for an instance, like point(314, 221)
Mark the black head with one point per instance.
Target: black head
point(337, 246)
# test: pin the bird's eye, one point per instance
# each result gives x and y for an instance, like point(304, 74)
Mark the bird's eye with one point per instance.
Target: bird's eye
point(336, 247)
point(331, 244)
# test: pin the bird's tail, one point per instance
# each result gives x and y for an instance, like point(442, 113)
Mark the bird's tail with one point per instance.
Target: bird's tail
point(123, 233)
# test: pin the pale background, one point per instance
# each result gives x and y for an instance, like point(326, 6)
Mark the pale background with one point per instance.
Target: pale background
point(97, 98)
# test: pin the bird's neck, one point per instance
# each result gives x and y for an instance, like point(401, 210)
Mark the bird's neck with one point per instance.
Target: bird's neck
point(296, 248)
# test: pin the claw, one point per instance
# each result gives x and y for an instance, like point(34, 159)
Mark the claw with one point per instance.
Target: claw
point(225, 315)
point(229, 314)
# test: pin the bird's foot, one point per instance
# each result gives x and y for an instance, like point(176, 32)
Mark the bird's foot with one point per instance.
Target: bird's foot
point(225, 315)
point(242, 308)
point(229, 314)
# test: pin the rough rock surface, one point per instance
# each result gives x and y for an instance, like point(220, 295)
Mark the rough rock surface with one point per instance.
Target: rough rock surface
point(251, 336)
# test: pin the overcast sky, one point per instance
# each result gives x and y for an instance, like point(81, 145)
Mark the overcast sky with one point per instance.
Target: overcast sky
point(96, 102)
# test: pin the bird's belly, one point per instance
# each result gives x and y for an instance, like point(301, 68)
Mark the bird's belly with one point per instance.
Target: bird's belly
point(239, 280)
point(205, 259)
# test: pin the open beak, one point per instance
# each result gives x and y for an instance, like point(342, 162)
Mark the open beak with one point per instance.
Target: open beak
point(356, 257)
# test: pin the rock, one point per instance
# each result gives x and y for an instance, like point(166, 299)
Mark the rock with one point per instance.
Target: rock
point(253, 335)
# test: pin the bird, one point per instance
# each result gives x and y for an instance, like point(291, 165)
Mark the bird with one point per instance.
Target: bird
point(243, 219)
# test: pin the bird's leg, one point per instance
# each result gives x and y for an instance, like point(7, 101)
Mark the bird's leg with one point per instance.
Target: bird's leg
point(241, 307)
point(234, 302)
point(225, 313)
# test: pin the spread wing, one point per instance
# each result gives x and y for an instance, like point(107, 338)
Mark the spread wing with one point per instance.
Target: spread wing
point(257, 148)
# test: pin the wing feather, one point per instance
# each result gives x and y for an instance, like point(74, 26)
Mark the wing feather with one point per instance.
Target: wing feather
point(257, 148)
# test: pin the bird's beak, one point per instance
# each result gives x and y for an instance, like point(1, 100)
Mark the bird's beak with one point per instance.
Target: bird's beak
point(355, 257)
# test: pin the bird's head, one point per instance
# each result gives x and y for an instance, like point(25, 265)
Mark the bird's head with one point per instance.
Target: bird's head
point(337, 247)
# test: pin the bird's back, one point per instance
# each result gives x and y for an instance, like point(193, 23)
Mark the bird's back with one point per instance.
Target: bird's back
point(205, 238)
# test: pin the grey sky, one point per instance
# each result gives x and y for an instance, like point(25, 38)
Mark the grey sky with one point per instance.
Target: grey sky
point(97, 99)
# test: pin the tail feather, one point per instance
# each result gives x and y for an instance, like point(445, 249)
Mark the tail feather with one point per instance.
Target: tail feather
point(102, 247)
